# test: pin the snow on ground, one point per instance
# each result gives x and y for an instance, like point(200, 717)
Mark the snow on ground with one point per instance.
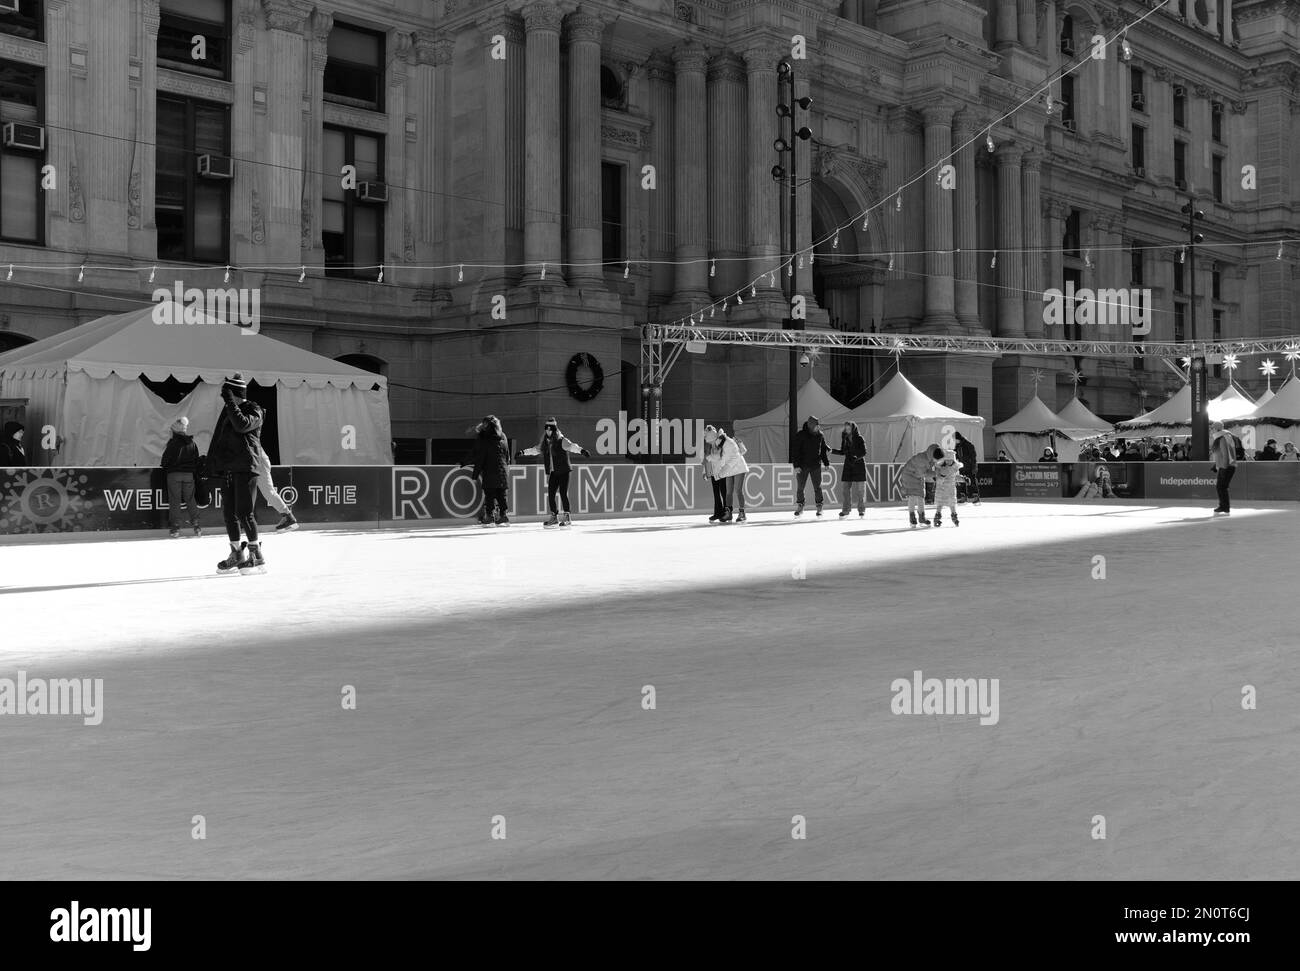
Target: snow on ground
point(500, 672)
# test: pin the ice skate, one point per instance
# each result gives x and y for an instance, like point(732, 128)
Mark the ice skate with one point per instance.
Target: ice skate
point(955, 520)
point(566, 521)
point(843, 513)
point(286, 524)
point(198, 531)
point(503, 519)
point(174, 534)
point(912, 516)
point(740, 516)
point(798, 510)
point(554, 520)
point(255, 563)
point(923, 521)
point(938, 519)
point(231, 563)
point(819, 509)
point(726, 515)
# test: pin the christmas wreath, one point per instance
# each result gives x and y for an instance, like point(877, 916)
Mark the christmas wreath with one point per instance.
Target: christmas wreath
point(597, 376)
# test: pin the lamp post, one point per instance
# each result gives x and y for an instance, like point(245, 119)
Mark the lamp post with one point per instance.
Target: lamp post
point(785, 110)
point(1200, 442)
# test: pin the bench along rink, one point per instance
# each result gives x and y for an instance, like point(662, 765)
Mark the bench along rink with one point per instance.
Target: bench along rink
point(500, 673)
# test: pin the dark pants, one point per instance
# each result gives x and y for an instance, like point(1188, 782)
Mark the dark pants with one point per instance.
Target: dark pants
point(237, 505)
point(557, 482)
point(815, 474)
point(971, 472)
point(719, 497)
point(1221, 484)
point(180, 495)
point(494, 499)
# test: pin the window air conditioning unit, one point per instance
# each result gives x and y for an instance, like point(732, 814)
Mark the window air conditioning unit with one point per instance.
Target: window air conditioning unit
point(372, 192)
point(8, 6)
point(18, 135)
point(1139, 101)
point(1067, 46)
point(1181, 185)
point(1140, 171)
point(216, 167)
point(1180, 91)
point(1069, 125)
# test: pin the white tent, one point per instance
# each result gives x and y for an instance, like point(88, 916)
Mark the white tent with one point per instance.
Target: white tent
point(1174, 417)
point(1264, 399)
point(899, 421)
point(767, 436)
point(1277, 417)
point(84, 383)
point(1026, 433)
point(1077, 415)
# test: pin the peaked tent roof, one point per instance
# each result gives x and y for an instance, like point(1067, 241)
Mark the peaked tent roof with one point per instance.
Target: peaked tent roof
point(811, 399)
point(1176, 411)
point(1230, 404)
point(1285, 403)
point(1077, 415)
point(1035, 418)
point(900, 398)
point(132, 344)
point(1265, 398)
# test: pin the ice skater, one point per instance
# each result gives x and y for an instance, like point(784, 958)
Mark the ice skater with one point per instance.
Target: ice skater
point(555, 449)
point(490, 457)
point(1223, 452)
point(947, 476)
point(731, 470)
point(853, 477)
point(267, 488)
point(709, 456)
point(180, 462)
point(810, 456)
point(965, 450)
point(916, 471)
point(234, 456)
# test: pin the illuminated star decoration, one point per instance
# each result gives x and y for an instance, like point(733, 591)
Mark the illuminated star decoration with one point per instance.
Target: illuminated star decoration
point(1076, 378)
point(1268, 369)
point(897, 350)
point(1292, 354)
point(1231, 363)
point(814, 354)
point(1038, 375)
point(1187, 363)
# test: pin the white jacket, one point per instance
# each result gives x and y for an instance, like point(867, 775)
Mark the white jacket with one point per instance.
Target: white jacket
point(732, 460)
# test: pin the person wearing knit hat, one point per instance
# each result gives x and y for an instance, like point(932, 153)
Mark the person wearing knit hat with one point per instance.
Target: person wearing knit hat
point(912, 477)
point(555, 448)
point(12, 453)
point(180, 462)
point(490, 457)
point(235, 456)
point(947, 474)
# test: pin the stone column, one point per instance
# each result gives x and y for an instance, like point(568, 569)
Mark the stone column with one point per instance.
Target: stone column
point(939, 307)
point(246, 195)
point(496, 130)
point(1008, 26)
point(726, 174)
point(1027, 16)
point(542, 179)
point(399, 231)
point(287, 222)
point(1010, 236)
point(690, 176)
point(762, 192)
point(317, 31)
point(965, 228)
point(1031, 208)
point(660, 78)
point(585, 236)
point(143, 187)
point(433, 55)
point(1054, 212)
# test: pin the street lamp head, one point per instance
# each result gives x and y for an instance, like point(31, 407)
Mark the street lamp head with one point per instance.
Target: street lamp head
point(805, 133)
point(1198, 238)
point(805, 102)
point(778, 172)
point(781, 145)
point(783, 111)
point(784, 67)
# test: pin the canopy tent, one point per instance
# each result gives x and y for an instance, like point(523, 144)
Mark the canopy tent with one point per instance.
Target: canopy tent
point(1026, 433)
point(767, 436)
point(1264, 399)
point(899, 420)
point(85, 384)
point(1174, 417)
point(1279, 416)
point(1077, 415)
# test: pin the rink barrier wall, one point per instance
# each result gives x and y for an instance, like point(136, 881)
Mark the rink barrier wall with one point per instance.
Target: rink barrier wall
point(38, 500)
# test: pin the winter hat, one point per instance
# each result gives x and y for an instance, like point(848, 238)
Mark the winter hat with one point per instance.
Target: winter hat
point(552, 423)
point(949, 457)
point(935, 453)
point(182, 425)
point(237, 385)
point(11, 428)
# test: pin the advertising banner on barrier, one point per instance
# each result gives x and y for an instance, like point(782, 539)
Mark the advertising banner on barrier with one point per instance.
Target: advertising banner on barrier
point(995, 480)
point(332, 493)
point(1267, 481)
point(1039, 481)
point(1180, 480)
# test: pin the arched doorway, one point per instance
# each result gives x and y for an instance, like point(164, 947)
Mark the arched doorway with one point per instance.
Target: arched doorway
point(367, 362)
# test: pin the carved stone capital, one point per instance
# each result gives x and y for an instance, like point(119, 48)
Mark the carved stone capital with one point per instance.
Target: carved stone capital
point(1009, 153)
point(690, 58)
point(1239, 107)
point(319, 25)
point(1202, 91)
point(1031, 161)
point(727, 68)
point(504, 23)
point(283, 15)
point(431, 47)
point(1162, 74)
point(903, 119)
point(761, 57)
point(542, 16)
point(151, 11)
point(937, 115)
point(583, 25)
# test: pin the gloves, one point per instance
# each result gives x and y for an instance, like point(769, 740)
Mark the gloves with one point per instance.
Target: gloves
point(1214, 468)
point(519, 456)
point(586, 454)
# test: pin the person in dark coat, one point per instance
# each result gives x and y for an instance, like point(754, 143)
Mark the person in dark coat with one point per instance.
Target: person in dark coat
point(554, 448)
point(1223, 453)
point(969, 462)
point(1049, 454)
point(12, 454)
point(810, 455)
point(853, 477)
point(490, 457)
point(1270, 452)
point(180, 462)
point(235, 457)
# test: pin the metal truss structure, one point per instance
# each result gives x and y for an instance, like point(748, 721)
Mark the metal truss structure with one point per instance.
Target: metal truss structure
point(662, 345)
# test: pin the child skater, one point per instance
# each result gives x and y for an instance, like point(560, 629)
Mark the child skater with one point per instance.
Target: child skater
point(490, 457)
point(554, 449)
point(915, 473)
point(946, 476)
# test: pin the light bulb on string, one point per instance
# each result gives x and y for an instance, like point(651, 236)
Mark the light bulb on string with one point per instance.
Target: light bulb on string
point(1279, 252)
point(836, 243)
point(812, 256)
point(82, 274)
point(740, 298)
point(302, 275)
point(712, 310)
point(891, 261)
point(460, 274)
point(753, 290)
point(801, 261)
point(1087, 258)
point(898, 203)
point(866, 221)
point(771, 278)
point(381, 274)
point(543, 271)
point(988, 141)
point(11, 272)
point(789, 268)
point(151, 272)
point(227, 278)
point(627, 268)
point(713, 268)
point(993, 263)
point(1182, 255)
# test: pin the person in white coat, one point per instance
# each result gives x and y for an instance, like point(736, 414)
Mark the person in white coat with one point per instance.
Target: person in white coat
point(709, 455)
point(267, 488)
point(732, 469)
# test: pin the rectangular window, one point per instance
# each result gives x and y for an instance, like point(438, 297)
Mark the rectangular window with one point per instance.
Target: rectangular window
point(1137, 85)
point(1180, 107)
point(1139, 136)
point(1180, 162)
point(1180, 322)
point(1178, 277)
point(1216, 121)
point(354, 68)
point(22, 203)
point(1070, 240)
point(1067, 99)
point(1137, 269)
point(970, 401)
point(194, 36)
point(1073, 329)
point(192, 212)
point(27, 21)
point(352, 230)
point(611, 212)
point(1217, 317)
point(1216, 177)
point(1216, 284)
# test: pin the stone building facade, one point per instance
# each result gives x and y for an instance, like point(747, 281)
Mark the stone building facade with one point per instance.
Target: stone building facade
point(508, 144)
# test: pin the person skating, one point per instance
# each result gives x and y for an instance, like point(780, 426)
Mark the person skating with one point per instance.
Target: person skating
point(266, 486)
point(731, 470)
point(947, 474)
point(810, 455)
point(915, 472)
point(709, 466)
point(490, 457)
point(180, 462)
point(233, 457)
point(1223, 453)
point(555, 448)
point(965, 450)
point(853, 477)
point(12, 454)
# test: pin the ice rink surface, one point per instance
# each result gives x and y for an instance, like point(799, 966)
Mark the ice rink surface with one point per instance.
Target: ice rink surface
point(500, 673)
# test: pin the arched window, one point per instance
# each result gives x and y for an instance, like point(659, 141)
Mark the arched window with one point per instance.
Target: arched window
point(366, 362)
point(613, 90)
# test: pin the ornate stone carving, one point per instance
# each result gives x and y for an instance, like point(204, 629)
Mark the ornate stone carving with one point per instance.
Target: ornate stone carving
point(584, 25)
point(843, 162)
point(76, 201)
point(247, 25)
point(282, 15)
point(937, 115)
point(685, 13)
point(760, 57)
point(1009, 153)
point(660, 72)
point(620, 136)
point(1162, 74)
point(902, 119)
point(1202, 91)
point(1111, 19)
point(133, 201)
point(208, 89)
point(541, 15)
point(507, 25)
point(349, 117)
point(21, 49)
point(726, 68)
point(402, 55)
point(150, 11)
point(1031, 161)
point(1239, 107)
point(690, 57)
point(258, 220)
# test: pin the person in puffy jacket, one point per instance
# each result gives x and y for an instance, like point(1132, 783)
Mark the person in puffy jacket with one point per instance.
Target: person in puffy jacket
point(490, 457)
point(235, 456)
point(969, 460)
point(12, 454)
point(810, 455)
point(180, 462)
point(555, 449)
point(1223, 453)
point(916, 471)
point(731, 470)
point(853, 477)
point(947, 476)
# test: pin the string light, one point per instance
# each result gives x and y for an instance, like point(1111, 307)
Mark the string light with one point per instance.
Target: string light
point(381, 274)
point(771, 278)
point(789, 268)
point(740, 298)
point(713, 268)
point(227, 279)
point(1182, 255)
point(753, 290)
point(891, 261)
point(151, 272)
point(1279, 252)
point(866, 221)
point(993, 263)
point(836, 243)
point(1087, 258)
point(988, 140)
point(801, 262)
point(11, 273)
point(1125, 50)
point(898, 203)
point(543, 271)
point(812, 256)
point(460, 274)
point(627, 268)
point(712, 310)
point(82, 275)
point(302, 275)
